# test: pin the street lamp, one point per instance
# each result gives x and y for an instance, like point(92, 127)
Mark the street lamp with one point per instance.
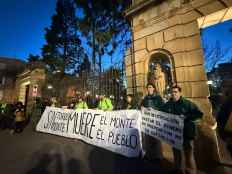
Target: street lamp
point(87, 93)
point(50, 86)
point(209, 82)
point(56, 71)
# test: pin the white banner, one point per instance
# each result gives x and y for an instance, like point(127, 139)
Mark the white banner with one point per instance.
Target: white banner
point(163, 126)
point(116, 131)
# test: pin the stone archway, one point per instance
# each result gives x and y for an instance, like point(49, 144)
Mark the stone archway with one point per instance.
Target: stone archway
point(173, 25)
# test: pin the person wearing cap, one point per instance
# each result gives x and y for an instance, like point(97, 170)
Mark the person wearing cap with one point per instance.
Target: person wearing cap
point(81, 104)
point(184, 159)
point(152, 145)
point(104, 104)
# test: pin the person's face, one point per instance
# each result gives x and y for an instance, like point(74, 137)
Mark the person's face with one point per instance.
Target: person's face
point(128, 99)
point(176, 94)
point(150, 89)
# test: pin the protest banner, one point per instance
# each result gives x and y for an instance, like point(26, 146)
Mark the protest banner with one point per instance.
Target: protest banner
point(116, 131)
point(163, 126)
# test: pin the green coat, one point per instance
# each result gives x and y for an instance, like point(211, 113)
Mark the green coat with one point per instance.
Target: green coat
point(105, 104)
point(154, 101)
point(190, 112)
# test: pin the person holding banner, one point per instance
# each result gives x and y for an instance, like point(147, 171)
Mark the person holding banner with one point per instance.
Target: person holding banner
point(152, 146)
point(184, 159)
point(130, 102)
point(104, 104)
point(81, 104)
point(54, 102)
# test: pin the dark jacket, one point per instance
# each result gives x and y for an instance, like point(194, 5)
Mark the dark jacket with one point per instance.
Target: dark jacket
point(191, 113)
point(154, 101)
point(132, 105)
point(223, 117)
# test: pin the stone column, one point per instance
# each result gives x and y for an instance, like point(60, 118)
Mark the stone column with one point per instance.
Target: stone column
point(172, 26)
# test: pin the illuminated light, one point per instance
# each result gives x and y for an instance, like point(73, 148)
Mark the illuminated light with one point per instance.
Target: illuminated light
point(50, 86)
point(56, 71)
point(209, 82)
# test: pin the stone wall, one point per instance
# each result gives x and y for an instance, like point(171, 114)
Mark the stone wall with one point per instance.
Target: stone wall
point(172, 25)
point(8, 89)
point(30, 78)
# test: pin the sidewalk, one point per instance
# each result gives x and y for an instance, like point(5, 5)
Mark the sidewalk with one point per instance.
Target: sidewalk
point(38, 153)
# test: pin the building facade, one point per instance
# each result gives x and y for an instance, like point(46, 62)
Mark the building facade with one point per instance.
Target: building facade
point(9, 68)
point(166, 46)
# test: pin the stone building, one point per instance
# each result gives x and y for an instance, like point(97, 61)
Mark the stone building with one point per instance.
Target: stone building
point(20, 81)
point(9, 68)
point(29, 85)
point(167, 32)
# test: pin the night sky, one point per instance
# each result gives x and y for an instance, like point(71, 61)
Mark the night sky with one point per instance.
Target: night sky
point(22, 26)
point(220, 32)
point(23, 22)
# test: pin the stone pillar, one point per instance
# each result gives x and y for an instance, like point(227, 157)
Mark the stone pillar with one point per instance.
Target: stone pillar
point(190, 75)
point(172, 25)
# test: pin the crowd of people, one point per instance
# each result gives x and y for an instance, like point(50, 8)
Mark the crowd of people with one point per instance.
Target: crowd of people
point(13, 116)
point(101, 102)
point(184, 159)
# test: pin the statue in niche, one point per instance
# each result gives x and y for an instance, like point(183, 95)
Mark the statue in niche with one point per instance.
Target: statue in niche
point(157, 78)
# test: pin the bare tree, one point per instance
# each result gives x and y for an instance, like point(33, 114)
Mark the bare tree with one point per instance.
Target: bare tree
point(214, 54)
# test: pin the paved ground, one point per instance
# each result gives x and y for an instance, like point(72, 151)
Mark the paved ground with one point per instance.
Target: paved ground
point(37, 153)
